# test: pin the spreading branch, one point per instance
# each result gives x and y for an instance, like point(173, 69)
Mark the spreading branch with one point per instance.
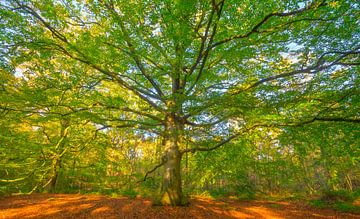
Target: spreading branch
point(203, 55)
point(139, 92)
point(163, 161)
point(133, 54)
point(256, 28)
point(320, 65)
point(245, 130)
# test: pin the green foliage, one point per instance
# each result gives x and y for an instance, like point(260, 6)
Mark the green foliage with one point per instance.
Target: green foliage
point(130, 192)
point(347, 207)
point(340, 200)
point(319, 204)
point(93, 94)
point(337, 205)
point(337, 196)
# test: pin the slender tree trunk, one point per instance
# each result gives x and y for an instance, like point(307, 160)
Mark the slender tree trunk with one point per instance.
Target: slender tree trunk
point(54, 177)
point(171, 186)
point(52, 186)
point(59, 152)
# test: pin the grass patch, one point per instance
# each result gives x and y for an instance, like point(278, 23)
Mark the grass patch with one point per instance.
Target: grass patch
point(131, 193)
point(319, 204)
point(347, 207)
point(273, 205)
point(337, 200)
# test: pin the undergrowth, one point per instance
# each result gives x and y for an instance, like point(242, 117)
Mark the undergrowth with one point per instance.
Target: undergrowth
point(340, 200)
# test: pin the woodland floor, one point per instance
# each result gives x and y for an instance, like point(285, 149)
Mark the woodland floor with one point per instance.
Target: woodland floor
point(96, 206)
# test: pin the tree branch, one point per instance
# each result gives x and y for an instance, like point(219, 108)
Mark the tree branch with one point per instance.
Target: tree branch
point(163, 161)
point(133, 53)
point(234, 136)
point(319, 66)
point(139, 92)
point(202, 57)
point(265, 19)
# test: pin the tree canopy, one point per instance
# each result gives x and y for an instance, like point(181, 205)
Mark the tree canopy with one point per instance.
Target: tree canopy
point(184, 76)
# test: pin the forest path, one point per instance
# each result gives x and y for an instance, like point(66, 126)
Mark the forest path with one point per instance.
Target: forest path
point(97, 206)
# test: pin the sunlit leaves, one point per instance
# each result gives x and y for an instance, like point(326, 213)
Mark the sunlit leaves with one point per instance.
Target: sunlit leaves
point(216, 67)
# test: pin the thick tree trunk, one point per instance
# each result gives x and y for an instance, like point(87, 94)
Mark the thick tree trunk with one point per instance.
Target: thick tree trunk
point(171, 186)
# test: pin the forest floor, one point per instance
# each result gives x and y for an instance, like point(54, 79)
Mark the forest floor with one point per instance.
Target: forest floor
point(97, 206)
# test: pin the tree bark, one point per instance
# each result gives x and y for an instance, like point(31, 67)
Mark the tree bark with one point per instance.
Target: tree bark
point(58, 153)
point(51, 187)
point(171, 186)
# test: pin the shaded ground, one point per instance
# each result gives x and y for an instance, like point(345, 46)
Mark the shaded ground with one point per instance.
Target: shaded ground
point(95, 206)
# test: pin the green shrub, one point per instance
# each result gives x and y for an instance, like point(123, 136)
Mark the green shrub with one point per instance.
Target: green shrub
point(218, 193)
point(108, 191)
point(340, 200)
point(347, 207)
point(337, 196)
point(130, 192)
point(318, 204)
point(356, 194)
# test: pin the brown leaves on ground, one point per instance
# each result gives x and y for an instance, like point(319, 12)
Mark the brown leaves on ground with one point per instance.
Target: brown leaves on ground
point(96, 206)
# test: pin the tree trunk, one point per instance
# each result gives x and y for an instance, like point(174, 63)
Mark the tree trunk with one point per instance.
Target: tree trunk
point(51, 186)
point(171, 186)
point(59, 151)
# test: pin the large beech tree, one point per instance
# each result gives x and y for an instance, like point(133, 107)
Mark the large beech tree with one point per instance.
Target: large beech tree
point(198, 74)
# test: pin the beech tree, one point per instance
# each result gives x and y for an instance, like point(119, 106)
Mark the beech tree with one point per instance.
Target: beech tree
point(198, 74)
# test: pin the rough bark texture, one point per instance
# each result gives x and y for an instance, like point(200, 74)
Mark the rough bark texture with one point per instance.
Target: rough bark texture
point(171, 187)
point(172, 192)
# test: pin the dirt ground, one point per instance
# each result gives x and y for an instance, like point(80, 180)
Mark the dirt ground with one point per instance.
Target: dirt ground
point(96, 206)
